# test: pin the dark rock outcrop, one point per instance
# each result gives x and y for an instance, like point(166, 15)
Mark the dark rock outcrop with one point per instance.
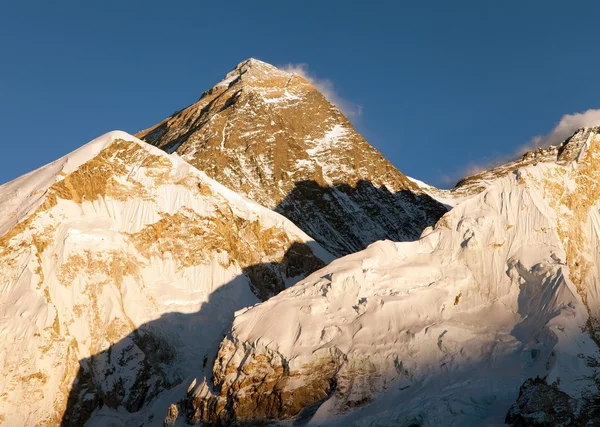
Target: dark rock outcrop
point(542, 405)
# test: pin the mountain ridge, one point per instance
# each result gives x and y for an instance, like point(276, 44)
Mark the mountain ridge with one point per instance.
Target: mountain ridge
point(270, 135)
point(442, 331)
point(473, 184)
point(106, 239)
point(139, 290)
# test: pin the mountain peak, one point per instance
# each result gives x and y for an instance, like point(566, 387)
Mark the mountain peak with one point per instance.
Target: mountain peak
point(108, 238)
point(273, 137)
point(254, 73)
point(573, 146)
point(254, 64)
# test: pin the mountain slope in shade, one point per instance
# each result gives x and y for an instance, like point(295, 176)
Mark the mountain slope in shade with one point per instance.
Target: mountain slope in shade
point(103, 255)
point(442, 331)
point(270, 135)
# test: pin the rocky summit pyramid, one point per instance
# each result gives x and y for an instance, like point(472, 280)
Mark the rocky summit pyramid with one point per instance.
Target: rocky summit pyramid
point(492, 316)
point(120, 267)
point(270, 135)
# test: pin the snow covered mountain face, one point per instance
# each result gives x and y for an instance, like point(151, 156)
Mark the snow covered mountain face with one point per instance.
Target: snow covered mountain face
point(121, 268)
point(270, 135)
point(137, 290)
point(453, 329)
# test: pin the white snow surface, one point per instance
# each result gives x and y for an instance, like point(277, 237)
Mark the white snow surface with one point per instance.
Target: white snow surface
point(447, 198)
point(48, 325)
point(444, 330)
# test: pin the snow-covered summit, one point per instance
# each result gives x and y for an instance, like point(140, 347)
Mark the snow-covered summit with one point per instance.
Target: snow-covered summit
point(19, 196)
point(119, 248)
point(253, 71)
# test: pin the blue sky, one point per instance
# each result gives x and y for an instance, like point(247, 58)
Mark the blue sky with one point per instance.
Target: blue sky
point(440, 86)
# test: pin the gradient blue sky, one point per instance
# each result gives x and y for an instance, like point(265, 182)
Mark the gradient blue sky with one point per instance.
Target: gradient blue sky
point(442, 86)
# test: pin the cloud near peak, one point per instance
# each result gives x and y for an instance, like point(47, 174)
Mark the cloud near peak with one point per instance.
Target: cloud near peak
point(567, 126)
point(326, 87)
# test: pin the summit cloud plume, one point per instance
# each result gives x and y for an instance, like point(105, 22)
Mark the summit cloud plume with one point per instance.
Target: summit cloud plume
point(326, 87)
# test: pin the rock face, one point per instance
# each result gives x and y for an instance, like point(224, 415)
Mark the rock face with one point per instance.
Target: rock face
point(121, 266)
point(263, 389)
point(544, 405)
point(541, 405)
point(172, 416)
point(442, 331)
point(270, 135)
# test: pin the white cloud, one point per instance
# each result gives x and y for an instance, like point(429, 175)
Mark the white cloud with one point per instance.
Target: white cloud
point(326, 87)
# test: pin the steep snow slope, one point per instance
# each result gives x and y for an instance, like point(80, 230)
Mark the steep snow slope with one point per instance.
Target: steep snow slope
point(269, 134)
point(120, 267)
point(442, 331)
